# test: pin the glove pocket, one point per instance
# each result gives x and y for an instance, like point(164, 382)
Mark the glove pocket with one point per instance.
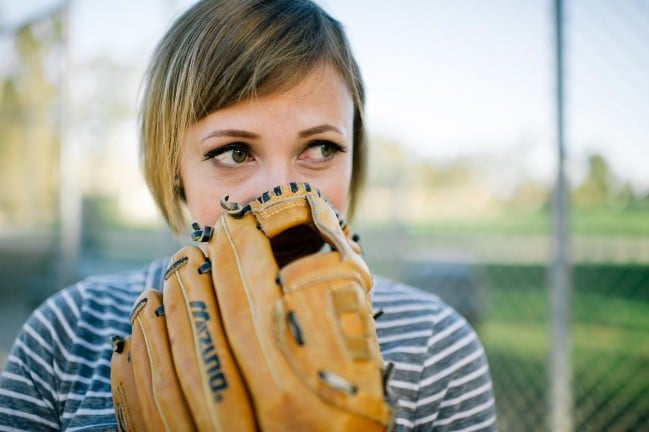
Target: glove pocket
point(325, 331)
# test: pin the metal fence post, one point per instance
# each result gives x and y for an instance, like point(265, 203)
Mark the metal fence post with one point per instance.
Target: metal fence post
point(560, 392)
point(69, 162)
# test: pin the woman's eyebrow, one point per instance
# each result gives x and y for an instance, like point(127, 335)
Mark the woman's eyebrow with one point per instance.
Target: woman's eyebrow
point(234, 133)
point(319, 129)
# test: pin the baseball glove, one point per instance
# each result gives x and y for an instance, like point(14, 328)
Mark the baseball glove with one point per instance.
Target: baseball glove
point(268, 327)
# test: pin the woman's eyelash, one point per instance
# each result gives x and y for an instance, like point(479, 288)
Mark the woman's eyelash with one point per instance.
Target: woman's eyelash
point(333, 145)
point(244, 147)
point(224, 149)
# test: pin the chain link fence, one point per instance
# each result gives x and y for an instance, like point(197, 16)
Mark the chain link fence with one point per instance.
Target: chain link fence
point(506, 299)
point(437, 225)
point(608, 351)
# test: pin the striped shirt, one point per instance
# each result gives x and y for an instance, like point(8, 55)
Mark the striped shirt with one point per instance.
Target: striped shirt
point(57, 376)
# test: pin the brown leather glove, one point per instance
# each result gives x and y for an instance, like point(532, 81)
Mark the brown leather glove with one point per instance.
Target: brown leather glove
point(265, 330)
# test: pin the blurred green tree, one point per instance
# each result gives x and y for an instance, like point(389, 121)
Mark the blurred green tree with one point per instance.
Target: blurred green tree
point(29, 138)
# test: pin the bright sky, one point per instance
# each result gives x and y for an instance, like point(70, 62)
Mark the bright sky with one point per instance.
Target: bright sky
point(448, 78)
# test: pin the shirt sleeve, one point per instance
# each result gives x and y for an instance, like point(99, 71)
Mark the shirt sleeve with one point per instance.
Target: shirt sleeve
point(30, 382)
point(456, 377)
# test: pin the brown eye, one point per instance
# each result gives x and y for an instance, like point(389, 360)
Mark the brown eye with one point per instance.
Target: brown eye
point(327, 150)
point(321, 151)
point(230, 155)
point(239, 155)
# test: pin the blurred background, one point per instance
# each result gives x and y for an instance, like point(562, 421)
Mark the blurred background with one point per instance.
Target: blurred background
point(509, 174)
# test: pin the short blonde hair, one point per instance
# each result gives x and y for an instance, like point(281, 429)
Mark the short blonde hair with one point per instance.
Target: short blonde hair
point(220, 52)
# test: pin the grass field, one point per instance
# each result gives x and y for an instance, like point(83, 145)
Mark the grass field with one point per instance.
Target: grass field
point(582, 222)
point(609, 342)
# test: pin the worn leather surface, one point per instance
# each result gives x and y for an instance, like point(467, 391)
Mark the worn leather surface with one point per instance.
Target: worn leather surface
point(253, 342)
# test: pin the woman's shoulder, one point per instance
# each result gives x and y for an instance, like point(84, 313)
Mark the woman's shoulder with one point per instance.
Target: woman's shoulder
point(413, 321)
point(60, 361)
point(410, 315)
point(94, 306)
point(105, 290)
point(126, 282)
point(437, 358)
point(393, 296)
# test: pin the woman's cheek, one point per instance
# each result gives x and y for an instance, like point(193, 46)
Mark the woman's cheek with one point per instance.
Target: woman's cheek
point(203, 203)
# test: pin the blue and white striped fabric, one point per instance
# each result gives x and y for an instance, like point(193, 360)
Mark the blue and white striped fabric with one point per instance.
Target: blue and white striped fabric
point(57, 376)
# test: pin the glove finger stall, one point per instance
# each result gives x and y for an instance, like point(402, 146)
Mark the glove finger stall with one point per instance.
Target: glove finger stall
point(211, 380)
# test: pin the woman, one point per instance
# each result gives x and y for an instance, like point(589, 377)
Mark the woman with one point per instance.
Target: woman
point(242, 95)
